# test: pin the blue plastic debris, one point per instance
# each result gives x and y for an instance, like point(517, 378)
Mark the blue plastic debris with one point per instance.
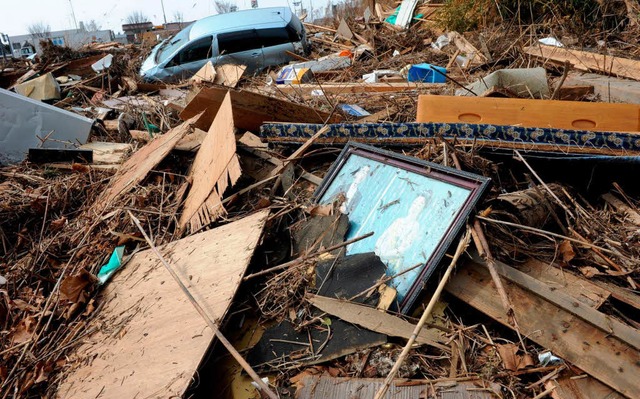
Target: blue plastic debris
point(427, 73)
point(114, 264)
point(354, 110)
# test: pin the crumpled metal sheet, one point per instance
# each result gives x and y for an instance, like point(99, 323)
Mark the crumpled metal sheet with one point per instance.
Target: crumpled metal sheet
point(27, 123)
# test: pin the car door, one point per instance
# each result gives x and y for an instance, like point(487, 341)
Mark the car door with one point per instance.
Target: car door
point(275, 43)
point(190, 59)
point(239, 47)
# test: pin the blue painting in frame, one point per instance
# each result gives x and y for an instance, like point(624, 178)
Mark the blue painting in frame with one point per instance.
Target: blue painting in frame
point(414, 209)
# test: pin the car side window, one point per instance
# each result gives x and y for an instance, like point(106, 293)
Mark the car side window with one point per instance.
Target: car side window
point(196, 51)
point(235, 42)
point(274, 36)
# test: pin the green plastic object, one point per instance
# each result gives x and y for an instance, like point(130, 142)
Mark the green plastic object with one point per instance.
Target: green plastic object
point(151, 128)
point(114, 264)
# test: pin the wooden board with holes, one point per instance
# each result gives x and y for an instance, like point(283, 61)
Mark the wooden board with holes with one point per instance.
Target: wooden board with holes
point(530, 113)
point(149, 339)
point(593, 350)
point(250, 110)
point(586, 61)
point(564, 281)
point(324, 386)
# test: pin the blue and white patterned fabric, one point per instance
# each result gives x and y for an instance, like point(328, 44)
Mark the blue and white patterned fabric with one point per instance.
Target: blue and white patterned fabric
point(525, 138)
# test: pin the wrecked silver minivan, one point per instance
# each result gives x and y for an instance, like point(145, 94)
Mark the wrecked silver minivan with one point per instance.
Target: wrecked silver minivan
point(257, 38)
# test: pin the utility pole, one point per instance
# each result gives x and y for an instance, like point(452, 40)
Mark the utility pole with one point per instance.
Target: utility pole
point(73, 15)
point(163, 13)
point(4, 38)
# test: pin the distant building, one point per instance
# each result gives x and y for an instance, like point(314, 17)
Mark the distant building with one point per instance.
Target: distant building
point(25, 45)
point(134, 31)
point(147, 33)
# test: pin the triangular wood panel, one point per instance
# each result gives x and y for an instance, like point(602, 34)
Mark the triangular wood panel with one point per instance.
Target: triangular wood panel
point(149, 338)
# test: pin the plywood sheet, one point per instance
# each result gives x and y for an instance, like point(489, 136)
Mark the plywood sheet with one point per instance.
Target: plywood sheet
point(215, 167)
point(150, 339)
point(250, 110)
point(530, 113)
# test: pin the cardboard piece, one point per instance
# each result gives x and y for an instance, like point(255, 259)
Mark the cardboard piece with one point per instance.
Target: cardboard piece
point(43, 88)
point(206, 74)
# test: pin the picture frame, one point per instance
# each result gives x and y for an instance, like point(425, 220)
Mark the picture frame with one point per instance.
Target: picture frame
point(414, 208)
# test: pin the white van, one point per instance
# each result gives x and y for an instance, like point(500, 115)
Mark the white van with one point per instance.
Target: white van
point(257, 38)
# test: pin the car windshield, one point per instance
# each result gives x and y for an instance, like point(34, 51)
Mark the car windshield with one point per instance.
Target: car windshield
point(172, 44)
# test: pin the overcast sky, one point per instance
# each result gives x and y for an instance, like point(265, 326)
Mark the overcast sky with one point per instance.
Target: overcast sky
point(17, 15)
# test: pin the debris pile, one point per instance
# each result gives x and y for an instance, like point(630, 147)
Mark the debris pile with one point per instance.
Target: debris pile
point(407, 211)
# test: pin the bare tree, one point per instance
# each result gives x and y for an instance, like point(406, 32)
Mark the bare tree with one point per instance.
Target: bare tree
point(178, 16)
point(224, 6)
point(92, 26)
point(137, 17)
point(39, 30)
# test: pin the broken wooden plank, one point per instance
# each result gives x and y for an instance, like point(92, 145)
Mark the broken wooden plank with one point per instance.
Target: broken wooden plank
point(215, 167)
point(149, 339)
point(586, 61)
point(473, 56)
point(324, 386)
point(306, 89)
point(562, 280)
point(378, 321)
point(624, 333)
point(107, 153)
point(621, 294)
point(530, 113)
point(593, 350)
point(250, 110)
point(140, 164)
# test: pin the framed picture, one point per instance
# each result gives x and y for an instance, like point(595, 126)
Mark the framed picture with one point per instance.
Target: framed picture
point(414, 208)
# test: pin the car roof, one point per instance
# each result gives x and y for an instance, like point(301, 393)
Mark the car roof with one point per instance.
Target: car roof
point(274, 16)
